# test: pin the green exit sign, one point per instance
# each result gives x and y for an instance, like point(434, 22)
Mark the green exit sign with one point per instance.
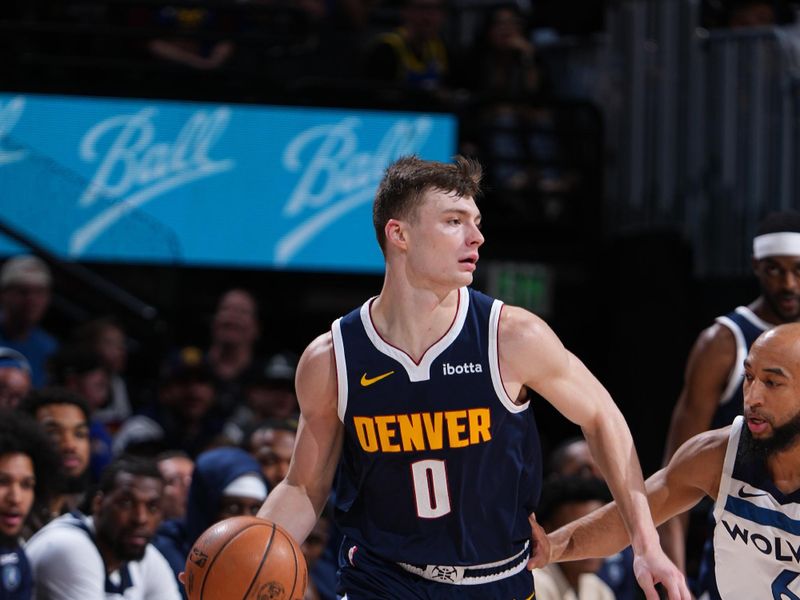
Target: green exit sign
point(528, 285)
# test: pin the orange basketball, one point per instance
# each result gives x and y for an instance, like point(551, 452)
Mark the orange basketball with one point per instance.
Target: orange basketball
point(245, 558)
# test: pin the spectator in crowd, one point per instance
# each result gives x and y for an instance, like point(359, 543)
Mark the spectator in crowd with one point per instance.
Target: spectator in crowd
point(269, 394)
point(503, 57)
point(235, 329)
point(15, 378)
point(564, 500)
point(191, 45)
point(64, 417)
point(751, 13)
point(570, 459)
point(107, 554)
point(226, 483)
point(28, 472)
point(176, 468)
point(321, 583)
point(81, 370)
point(271, 443)
point(414, 55)
point(106, 338)
point(182, 416)
point(24, 299)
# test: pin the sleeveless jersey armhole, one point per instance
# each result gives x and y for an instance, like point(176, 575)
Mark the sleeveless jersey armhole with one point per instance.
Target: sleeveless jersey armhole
point(494, 361)
point(727, 467)
point(341, 368)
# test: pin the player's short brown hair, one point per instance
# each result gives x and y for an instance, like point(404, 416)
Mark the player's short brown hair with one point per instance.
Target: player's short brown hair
point(408, 178)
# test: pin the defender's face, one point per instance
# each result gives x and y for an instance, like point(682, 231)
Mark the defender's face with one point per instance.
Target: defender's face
point(443, 239)
point(779, 277)
point(771, 386)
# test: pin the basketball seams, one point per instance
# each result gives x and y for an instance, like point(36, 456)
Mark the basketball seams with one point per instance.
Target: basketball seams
point(263, 560)
point(219, 552)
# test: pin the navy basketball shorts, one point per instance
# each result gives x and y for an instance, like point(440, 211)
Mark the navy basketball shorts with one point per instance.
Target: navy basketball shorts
point(365, 576)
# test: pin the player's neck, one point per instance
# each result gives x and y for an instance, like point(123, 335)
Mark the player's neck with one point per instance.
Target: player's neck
point(784, 469)
point(413, 318)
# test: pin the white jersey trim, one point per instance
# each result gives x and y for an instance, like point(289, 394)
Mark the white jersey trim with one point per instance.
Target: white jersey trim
point(753, 318)
point(341, 368)
point(727, 467)
point(494, 361)
point(421, 371)
point(735, 378)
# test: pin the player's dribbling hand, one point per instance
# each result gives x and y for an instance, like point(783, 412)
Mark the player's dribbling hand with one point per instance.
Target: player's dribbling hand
point(540, 545)
point(654, 567)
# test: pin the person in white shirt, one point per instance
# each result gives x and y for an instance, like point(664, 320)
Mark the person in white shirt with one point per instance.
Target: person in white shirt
point(107, 555)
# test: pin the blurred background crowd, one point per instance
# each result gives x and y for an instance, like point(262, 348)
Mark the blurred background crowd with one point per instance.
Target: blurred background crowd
point(630, 148)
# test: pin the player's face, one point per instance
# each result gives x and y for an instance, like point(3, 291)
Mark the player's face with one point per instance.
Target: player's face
point(17, 483)
point(442, 239)
point(127, 517)
point(67, 427)
point(772, 392)
point(779, 277)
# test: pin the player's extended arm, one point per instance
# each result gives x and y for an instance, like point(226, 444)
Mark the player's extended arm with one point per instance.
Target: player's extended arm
point(693, 472)
point(708, 368)
point(298, 500)
point(531, 354)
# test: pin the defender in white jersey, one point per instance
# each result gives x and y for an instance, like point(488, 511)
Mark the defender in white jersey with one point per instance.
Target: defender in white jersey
point(751, 469)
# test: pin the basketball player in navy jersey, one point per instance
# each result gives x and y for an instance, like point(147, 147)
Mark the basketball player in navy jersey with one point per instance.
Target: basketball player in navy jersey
point(415, 401)
point(712, 392)
point(752, 471)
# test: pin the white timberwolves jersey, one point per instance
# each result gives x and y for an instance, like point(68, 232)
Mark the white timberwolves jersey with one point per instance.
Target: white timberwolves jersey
point(757, 531)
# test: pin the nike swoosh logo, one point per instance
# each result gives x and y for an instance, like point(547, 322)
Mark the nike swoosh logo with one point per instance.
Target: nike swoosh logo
point(365, 381)
point(743, 494)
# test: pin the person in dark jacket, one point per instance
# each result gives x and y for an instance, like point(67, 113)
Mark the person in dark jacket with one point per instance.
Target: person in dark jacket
point(227, 482)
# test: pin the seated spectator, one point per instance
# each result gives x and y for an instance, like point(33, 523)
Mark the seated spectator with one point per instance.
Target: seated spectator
point(176, 468)
point(235, 329)
point(106, 338)
point(28, 466)
point(271, 443)
point(226, 483)
point(64, 417)
point(82, 371)
point(269, 394)
point(15, 378)
point(108, 554)
point(414, 55)
point(190, 46)
point(182, 414)
point(321, 583)
point(564, 500)
point(24, 299)
point(572, 458)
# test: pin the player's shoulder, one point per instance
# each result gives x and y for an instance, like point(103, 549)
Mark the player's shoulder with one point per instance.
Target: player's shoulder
point(700, 458)
point(716, 342)
point(710, 443)
point(520, 326)
point(62, 540)
point(316, 379)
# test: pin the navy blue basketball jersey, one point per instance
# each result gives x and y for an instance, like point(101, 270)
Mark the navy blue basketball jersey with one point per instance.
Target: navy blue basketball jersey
point(746, 327)
point(438, 464)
